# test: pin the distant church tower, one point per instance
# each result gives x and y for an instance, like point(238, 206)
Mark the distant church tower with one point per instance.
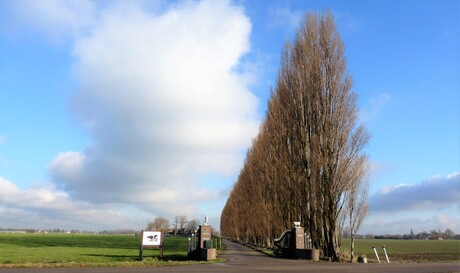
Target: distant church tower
point(411, 233)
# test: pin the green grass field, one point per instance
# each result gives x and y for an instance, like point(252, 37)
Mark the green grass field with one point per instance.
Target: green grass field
point(48, 250)
point(407, 251)
point(62, 250)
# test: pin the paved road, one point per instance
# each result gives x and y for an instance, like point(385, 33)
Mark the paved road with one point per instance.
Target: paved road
point(243, 259)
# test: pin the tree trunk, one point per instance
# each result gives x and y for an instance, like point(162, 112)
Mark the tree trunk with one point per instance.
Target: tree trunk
point(352, 248)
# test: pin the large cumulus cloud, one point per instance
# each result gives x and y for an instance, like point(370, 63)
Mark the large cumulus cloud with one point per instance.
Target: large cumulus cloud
point(44, 206)
point(436, 193)
point(431, 204)
point(164, 100)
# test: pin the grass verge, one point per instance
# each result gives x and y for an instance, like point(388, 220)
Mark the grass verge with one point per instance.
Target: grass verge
point(407, 251)
point(87, 250)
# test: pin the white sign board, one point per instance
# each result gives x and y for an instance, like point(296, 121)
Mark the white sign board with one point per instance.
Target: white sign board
point(151, 238)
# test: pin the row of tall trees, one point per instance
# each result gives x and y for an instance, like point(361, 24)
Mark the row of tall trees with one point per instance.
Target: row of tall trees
point(307, 163)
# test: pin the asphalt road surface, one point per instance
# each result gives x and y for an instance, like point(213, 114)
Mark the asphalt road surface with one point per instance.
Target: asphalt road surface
point(243, 259)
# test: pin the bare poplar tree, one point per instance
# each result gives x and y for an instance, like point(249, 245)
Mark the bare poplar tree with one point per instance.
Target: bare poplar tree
point(356, 209)
point(314, 81)
point(308, 154)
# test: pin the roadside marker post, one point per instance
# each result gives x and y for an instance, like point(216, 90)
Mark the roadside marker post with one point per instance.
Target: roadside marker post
point(376, 255)
point(385, 251)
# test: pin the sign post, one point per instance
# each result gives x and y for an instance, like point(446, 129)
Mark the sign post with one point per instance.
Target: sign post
point(151, 240)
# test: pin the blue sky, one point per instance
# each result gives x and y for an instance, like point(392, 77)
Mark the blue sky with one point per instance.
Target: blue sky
point(114, 112)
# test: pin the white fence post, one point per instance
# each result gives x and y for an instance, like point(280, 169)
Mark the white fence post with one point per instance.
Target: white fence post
point(385, 251)
point(376, 255)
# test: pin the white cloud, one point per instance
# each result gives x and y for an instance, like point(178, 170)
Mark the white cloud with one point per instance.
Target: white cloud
point(429, 205)
point(44, 197)
point(285, 17)
point(57, 19)
point(374, 107)
point(453, 175)
point(165, 101)
point(347, 22)
point(378, 224)
point(47, 207)
point(435, 193)
point(447, 221)
point(67, 165)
